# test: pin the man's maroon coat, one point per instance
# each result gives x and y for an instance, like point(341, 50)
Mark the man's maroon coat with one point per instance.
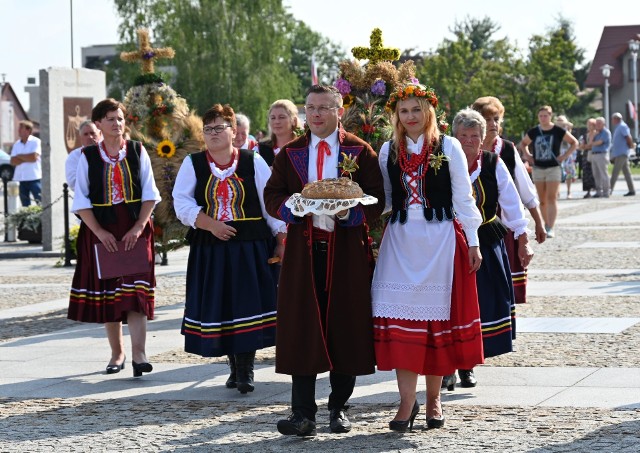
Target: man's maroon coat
point(301, 346)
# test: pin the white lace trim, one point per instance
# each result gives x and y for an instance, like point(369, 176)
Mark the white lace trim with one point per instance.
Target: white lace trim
point(411, 288)
point(411, 312)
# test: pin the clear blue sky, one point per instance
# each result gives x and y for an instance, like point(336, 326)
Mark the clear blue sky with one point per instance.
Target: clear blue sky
point(36, 33)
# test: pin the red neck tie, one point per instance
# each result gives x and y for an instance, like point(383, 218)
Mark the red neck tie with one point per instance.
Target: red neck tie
point(323, 148)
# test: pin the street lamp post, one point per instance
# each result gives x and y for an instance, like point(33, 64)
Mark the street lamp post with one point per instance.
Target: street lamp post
point(633, 47)
point(606, 72)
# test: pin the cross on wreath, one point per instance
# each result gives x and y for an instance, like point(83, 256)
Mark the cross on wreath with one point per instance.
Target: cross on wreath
point(146, 54)
point(376, 52)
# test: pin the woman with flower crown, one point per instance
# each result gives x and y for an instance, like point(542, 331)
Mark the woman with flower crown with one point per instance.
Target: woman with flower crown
point(425, 305)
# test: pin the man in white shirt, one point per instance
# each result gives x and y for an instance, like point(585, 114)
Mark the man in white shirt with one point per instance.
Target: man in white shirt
point(89, 135)
point(25, 156)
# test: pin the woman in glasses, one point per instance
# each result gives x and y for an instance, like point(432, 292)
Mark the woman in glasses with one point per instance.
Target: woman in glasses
point(231, 293)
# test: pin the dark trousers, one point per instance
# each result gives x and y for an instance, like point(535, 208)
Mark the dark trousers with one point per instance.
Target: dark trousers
point(28, 188)
point(303, 390)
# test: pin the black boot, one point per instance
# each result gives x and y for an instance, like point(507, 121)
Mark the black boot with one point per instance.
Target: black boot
point(449, 382)
point(244, 371)
point(231, 382)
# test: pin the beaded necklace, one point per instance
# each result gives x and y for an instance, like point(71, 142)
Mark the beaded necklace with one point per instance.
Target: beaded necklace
point(409, 164)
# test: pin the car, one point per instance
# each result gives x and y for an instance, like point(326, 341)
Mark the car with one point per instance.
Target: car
point(6, 169)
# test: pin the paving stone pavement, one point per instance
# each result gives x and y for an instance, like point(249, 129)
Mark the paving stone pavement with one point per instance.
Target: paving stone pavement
point(558, 392)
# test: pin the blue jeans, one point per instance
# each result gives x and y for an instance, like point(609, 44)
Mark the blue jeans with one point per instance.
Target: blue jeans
point(28, 188)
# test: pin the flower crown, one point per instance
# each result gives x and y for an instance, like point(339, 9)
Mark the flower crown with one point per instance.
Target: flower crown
point(412, 90)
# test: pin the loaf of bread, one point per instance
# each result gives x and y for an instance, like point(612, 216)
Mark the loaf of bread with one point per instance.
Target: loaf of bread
point(340, 188)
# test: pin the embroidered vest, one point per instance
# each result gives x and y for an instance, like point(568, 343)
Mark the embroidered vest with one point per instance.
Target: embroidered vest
point(485, 192)
point(101, 183)
point(245, 204)
point(434, 191)
point(265, 149)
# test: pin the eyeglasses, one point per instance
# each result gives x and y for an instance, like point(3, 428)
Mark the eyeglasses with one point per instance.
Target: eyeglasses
point(322, 110)
point(209, 130)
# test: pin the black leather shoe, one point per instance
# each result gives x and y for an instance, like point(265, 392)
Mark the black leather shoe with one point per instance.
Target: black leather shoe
point(629, 194)
point(338, 421)
point(112, 369)
point(449, 382)
point(404, 425)
point(231, 380)
point(434, 422)
point(297, 425)
point(467, 378)
point(139, 368)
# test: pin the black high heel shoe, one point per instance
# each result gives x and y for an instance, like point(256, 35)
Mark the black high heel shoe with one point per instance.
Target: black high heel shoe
point(139, 368)
point(112, 369)
point(403, 425)
point(434, 422)
point(449, 382)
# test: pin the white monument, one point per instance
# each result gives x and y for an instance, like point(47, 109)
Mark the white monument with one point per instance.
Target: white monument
point(66, 99)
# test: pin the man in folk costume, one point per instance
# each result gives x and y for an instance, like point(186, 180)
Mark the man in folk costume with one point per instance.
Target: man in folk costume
point(324, 302)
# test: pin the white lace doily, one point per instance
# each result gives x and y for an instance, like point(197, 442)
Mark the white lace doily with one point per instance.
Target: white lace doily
point(300, 206)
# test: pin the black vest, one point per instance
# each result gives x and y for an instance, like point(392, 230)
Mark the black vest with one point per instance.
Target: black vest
point(508, 156)
point(252, 229)
point(99, 174)
point(485, 191)
point(265, 149)
point(436, 193)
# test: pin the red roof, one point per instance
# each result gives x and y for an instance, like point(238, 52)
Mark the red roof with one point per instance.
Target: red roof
point(613, 45)
point(10, 95)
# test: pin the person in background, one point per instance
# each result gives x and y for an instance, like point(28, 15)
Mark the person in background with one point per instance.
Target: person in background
point(283, 125)
point(493, 189)
point(425, 305)
point(26, 157)
point(568, 165)
point(324, 297)
point(114, 195)
point(243, 139)
point(588, 183)
point(89, 135)
point(231, 293)
point(546, 139)
point(599, 150)
point(621, 147)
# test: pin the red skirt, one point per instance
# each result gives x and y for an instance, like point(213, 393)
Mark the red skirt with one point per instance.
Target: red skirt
point(436, 347)
point(518, 273)
point(100, 301)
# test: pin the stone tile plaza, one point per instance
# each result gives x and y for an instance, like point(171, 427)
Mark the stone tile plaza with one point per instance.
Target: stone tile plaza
point(572, 385)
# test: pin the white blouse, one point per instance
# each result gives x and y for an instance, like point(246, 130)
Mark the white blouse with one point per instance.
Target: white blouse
point(526, 190)
point(463, 202)
point(187, 208)
point(81, 191)
point(513, 215)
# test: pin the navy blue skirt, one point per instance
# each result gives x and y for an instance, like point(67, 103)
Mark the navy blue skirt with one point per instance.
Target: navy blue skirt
point(496, 300)
point(231, 298)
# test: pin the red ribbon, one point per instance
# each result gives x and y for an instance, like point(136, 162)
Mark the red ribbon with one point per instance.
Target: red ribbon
point(323, 149)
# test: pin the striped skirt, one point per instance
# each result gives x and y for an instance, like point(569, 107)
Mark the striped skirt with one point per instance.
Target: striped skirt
point(436, 347)
point(100, 301)
point(518, 273)
point(496, 299)
point(231, 298)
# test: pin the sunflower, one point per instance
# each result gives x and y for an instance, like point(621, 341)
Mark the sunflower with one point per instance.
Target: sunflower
point(166, 149)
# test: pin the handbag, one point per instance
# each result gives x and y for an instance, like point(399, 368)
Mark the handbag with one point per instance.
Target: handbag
point(122, 263)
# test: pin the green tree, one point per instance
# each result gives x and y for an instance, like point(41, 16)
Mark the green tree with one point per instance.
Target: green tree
point(550, 77)
point(305, 43)
point(226, 51)
point(472, 65)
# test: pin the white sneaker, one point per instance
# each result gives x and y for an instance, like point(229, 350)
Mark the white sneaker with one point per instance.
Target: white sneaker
point(550, 233)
